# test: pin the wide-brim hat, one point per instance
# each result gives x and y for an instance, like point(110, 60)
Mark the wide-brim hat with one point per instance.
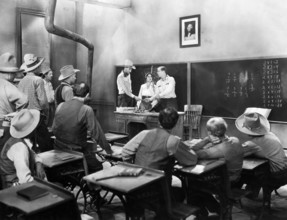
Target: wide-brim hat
point(8, 63)
point(31, 62)
point(253, 124)
point(24, 123)
point(67, 71)
point(129, 64)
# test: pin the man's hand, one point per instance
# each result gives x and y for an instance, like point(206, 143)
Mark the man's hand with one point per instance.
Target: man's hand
point(87, 98)
point(40, 172)
point(214, 139)
point(137, 98)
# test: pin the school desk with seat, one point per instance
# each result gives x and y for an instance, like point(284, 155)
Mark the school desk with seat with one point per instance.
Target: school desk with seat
point(55, 204)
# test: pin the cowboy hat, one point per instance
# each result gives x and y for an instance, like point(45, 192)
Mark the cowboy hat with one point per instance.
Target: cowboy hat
point(67, 71)
point(8, 63)
point(31, 62)
point(24, 123)
point(253, 124)
point(129, 64)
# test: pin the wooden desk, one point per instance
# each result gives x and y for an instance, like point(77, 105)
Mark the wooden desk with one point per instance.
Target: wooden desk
point(54, 158)
point(66, 167)
point(208, 176)
point(255, 171)
point(127, 187)
point(124, 185)
point(58, 204)
point(127, 122)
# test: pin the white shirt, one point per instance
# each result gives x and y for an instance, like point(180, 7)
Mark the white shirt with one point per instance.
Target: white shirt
point(49, 91)
point(166, 88)
point(124, 84)
point(147, 91)
point(19, 154)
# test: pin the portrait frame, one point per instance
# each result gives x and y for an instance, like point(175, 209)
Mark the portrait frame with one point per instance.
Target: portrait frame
point(189, 31)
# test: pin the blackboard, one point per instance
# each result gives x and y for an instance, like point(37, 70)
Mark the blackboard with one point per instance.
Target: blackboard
point(227, 88)
point(178, 71)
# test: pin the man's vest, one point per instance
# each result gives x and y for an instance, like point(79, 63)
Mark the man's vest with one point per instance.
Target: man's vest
point(58, 94)
point(153, 153)
point(7, 168)
point(68, 128)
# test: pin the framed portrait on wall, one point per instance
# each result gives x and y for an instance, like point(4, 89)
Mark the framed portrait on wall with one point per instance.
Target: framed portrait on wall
point(189, 31)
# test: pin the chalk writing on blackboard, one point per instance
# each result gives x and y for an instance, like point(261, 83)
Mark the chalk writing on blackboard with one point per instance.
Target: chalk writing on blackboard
point(271, 84)
point(242, 84)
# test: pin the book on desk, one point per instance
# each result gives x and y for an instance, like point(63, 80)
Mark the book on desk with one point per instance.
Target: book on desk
point(32, 192)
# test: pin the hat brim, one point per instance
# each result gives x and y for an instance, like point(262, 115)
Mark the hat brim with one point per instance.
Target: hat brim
point(262, 130)
point(61, 77)
point(20, 134)
point(133, 67)
point(29, 69)
point(10, 69)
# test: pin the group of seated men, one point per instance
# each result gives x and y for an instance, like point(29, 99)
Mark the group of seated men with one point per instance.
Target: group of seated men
point(156, 148)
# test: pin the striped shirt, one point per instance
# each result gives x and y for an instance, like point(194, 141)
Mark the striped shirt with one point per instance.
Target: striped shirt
point(33, 86)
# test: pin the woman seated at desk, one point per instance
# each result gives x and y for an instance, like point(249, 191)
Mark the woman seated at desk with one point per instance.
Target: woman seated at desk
point(147, 90)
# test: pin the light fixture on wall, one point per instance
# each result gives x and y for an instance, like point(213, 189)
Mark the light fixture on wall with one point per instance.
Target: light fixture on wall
point(121, 4)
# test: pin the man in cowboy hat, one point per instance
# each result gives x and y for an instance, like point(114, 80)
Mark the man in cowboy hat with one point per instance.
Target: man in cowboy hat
point(218, 145)
point(32, 85)
point(64, 92)
point(11, 99)
point(74, 122)
point(124, 84)
point(18, 163)
point(264, 144)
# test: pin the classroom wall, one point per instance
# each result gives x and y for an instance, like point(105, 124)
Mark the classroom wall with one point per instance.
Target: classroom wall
point(148, 32)
point(63, 51)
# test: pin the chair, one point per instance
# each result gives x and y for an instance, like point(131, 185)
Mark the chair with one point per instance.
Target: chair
point(191, 123)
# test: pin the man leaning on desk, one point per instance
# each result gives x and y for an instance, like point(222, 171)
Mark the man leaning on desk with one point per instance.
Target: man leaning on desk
point(124, 84)
point(74, 122)
point(158, 148)
point(263, 144)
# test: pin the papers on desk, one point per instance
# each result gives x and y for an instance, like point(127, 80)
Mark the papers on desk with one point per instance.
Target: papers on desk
point(131, 171)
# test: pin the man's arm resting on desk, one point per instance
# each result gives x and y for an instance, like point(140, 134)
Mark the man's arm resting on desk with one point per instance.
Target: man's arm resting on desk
point(250, 148)
point(201, 144)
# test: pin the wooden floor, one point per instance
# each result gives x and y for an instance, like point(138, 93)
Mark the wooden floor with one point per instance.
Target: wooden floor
point(251, 209)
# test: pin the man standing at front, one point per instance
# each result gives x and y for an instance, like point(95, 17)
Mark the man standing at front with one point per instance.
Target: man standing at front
point(165, 91)
point(124, 84)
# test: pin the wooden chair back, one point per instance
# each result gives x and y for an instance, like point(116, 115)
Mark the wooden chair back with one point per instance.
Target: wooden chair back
point(192, 119)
